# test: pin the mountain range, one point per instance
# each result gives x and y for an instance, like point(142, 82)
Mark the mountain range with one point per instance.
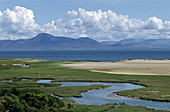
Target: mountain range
point(44, 41)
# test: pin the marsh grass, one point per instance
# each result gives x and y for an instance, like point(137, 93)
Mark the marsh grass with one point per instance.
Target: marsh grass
point(72, 91)
point(157, 87)
point(127, 108)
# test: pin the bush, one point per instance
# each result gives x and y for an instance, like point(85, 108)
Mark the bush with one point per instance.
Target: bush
point(17, 101)
point(35, 100)
point(13, 104)
point(55, 102)
point(15, 91)
point(3, 92)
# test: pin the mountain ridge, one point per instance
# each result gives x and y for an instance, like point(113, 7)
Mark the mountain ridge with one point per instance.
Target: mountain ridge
point(44, 41)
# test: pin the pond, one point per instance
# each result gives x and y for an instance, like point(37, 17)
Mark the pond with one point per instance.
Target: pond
point(100, 97)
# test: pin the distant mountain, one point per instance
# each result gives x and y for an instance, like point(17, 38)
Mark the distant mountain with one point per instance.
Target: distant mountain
point(143, 44)
point(108, 42)
point(46, 41)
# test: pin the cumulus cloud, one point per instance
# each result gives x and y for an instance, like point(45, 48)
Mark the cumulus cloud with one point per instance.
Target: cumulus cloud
point(154, 23)
point(109, 25)
point(55, 27)
point(100, 25)
point(72, 13)
point(17, 23)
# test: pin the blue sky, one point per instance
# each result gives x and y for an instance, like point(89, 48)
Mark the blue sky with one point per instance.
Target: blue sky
point(48, 11)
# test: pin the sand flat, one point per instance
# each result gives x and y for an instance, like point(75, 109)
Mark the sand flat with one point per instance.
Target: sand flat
point(133, 67)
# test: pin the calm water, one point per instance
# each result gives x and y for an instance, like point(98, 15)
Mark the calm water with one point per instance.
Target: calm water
point(87, 55)
point(99, 97)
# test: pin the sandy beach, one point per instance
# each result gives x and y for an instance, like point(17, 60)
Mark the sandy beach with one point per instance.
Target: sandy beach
point(133, 67)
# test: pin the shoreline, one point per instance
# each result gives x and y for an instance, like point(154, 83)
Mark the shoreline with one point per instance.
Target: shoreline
point(147, 99)
point(113, 96)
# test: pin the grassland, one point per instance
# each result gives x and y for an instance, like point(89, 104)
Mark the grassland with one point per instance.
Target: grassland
point(127, 108)
point(74, 91)
point(109, 107)
point(157, 87)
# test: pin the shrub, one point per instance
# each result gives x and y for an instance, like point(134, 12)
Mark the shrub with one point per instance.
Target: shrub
point(56, 102)
point(13, 104)
point(17, 101)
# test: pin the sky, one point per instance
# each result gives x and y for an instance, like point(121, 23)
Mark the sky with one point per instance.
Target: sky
point(98, 19)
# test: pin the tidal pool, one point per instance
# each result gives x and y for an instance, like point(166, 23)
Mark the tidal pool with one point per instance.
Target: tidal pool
point(100, 96)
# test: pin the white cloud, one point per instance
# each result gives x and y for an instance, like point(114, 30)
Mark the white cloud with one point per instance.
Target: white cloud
point(109, 25)
point(72, 13)
point(55, 27)
point(19, 23)
point(1, 13)
point(154, 23)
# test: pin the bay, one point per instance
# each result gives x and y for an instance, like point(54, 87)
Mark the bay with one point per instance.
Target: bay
point(88, 55)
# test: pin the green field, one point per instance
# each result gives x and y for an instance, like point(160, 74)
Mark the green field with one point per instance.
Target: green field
point(157, 87)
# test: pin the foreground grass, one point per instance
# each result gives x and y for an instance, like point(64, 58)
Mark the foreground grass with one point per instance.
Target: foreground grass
point(88, 108)
point(127, 108)
point(109, 107)
point(157, 87)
